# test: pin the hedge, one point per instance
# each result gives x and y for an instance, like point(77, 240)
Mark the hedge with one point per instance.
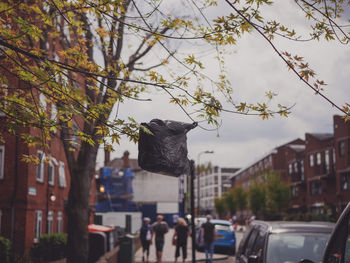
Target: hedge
point(50, 247)
point(5, 247)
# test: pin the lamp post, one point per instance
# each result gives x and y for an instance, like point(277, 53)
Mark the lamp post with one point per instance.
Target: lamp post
point(193, 228)
point(198, 177)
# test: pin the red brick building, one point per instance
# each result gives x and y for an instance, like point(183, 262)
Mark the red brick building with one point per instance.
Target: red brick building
point(33, 196)
point(318, 170)
point(275, 161)
point(342, 162)
point(26, 209)
point(295, 155)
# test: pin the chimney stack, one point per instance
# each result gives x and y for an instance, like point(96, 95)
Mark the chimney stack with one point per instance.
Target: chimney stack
point(126, 161)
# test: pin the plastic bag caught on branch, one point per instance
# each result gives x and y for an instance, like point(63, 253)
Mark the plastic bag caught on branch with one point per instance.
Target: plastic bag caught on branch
point(165, 150)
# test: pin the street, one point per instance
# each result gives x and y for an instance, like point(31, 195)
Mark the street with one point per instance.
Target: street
point(230, 259)
point(169, 251)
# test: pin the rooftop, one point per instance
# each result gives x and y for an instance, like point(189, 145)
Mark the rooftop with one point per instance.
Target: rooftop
point(322, 136)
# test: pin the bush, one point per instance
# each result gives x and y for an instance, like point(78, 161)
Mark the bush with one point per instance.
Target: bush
point(50, 247)
point(5, 247)
point(309, 217)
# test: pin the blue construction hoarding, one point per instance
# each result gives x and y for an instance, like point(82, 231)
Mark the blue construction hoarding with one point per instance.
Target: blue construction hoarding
point(117, 190)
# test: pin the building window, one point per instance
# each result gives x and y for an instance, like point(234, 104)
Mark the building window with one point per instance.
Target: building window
point(59, 222)
point(53, 117)
point(290, 169)
point(51, 173)
point(2, 161)
point(295, 191)
point(43, 102)
point(75, 137)
point(333, 156)
point(345, 181)
point(317, 210)
point(341, 148)
point(311, 160)
point(4, 93)
point(61, 175)
point(50, 222)
point(318, 158)
point(296, 167)
point(302, 170)
point(326, 160)
point(38, 225)
point(40, 167)
point(316, 187)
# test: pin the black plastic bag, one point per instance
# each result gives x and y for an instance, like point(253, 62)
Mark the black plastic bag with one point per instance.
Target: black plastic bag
point(165, 150)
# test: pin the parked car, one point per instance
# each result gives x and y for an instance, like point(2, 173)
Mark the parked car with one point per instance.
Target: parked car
point(225, 237)
point(284, 242)
point(338, 247)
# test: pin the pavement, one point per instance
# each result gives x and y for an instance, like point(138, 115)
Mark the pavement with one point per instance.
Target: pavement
point(169, 252)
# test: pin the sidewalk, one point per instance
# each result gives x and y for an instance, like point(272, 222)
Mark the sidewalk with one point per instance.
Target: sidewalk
point(169, 252)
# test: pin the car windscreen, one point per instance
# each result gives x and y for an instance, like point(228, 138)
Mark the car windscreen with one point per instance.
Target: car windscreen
point(293, 247)
point(223, 227)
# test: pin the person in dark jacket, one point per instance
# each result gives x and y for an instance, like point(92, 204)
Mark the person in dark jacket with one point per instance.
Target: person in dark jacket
point(159, 229)
point(180, 238)
point(208, 238)
point(146, 238)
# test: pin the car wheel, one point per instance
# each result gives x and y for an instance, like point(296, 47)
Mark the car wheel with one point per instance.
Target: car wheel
point(231, 252)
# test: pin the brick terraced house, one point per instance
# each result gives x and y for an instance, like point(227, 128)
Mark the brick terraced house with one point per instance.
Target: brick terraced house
point(317, 170)
point(33, 196)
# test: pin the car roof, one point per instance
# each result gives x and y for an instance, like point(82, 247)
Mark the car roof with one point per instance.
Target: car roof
point(296, 226)
point(220, 222)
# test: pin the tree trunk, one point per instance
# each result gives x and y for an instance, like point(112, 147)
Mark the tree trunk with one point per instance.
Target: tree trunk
point(78, 204)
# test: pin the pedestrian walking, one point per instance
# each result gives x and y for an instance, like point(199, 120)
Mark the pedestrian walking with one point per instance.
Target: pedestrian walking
point(159, 229)
point(208, 238)
point(180, 238)
point(146, 238)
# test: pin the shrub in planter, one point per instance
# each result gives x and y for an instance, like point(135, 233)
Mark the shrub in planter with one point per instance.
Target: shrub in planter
point(5, 247)
point(50, 247)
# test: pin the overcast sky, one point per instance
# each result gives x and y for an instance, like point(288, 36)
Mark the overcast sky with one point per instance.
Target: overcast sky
point(254, 69)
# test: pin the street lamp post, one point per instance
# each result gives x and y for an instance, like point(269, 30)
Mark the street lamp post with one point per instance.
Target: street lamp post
point(193, 229)
point(198, 178)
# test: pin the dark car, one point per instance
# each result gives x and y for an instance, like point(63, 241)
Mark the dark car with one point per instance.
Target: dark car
point(338, 247)
point(283, 242)
point(225, 237)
